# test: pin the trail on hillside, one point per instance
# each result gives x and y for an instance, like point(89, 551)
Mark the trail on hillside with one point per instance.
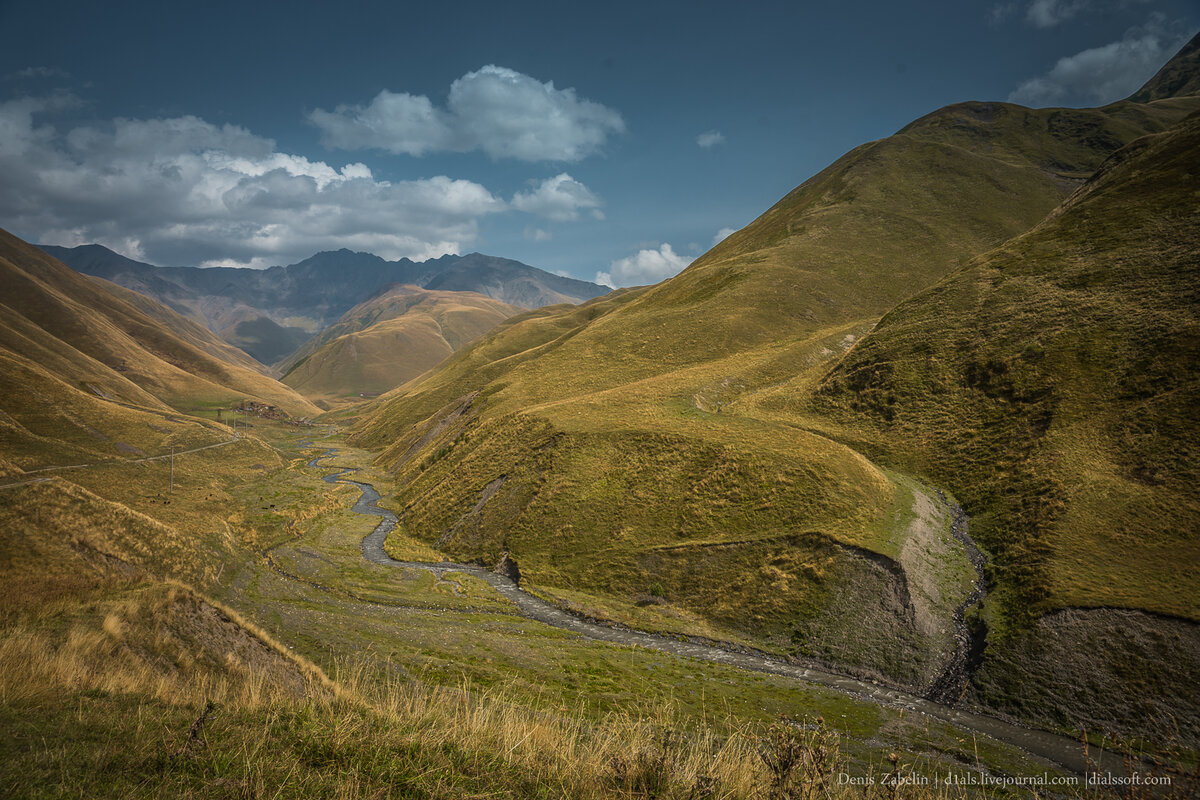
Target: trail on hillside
point(116, 461)
point(1060, 750)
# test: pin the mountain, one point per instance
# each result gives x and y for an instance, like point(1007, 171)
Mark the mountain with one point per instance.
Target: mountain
point(390, 339)
point(194, 334)
point(653, 455)
point(1054, 385)
point(93, 372)
point(1179, 77)
point(270, 312)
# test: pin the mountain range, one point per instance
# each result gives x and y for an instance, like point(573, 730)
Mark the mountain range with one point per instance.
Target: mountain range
point(270, 312)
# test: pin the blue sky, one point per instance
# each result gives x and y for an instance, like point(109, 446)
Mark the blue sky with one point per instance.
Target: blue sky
point(616, 140)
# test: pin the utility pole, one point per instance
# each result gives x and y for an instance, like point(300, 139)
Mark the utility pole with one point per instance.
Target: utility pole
point(172, 469)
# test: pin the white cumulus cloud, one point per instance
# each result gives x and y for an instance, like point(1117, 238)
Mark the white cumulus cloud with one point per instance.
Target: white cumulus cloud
point(185, 191)
point(500, 111)
point(559, 198)
point(648, 266)
point(710, 139)
point(398, 123)
point(722, 235)
point(1107, 73)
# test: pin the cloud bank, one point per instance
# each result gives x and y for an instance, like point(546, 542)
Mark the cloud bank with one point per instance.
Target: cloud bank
point(499, 111)
point(1107, 73)
point(648, 266)
point(185, 191)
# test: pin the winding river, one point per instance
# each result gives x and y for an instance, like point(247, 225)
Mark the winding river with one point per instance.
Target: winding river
point(1060, 750)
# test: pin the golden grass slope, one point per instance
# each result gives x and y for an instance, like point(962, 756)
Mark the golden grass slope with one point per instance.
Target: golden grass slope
point(390, 339)
point(1178, 78)
point(886, 220)
point(88, 337)
point(191, 332)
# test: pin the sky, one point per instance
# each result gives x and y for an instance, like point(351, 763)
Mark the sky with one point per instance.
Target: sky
point(613, 142)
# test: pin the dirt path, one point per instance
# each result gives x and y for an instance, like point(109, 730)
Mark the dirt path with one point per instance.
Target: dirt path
point(1059, 750)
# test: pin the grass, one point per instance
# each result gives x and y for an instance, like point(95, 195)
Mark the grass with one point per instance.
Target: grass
point(106, 671)
point(87, 709)
point(77, 331)
point(403, 744)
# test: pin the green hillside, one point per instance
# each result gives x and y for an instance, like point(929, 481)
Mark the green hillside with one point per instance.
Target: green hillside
point(1054, 385)
point(649, 456)
point(886, 220)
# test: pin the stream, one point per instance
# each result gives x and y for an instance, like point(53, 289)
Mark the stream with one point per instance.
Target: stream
point(1062, 751)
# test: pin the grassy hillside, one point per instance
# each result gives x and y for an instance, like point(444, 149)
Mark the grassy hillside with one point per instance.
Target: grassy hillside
point(105, 343)
point(605, 447)
point(390, 339)
point(1053, 385)
point(886, 220)
point(119, 680)
point(1180, 76)
point(129, 666)
point(191, 332)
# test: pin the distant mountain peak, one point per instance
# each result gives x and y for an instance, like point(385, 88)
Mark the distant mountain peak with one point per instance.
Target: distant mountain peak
point(1179, 77)
point(267, 312)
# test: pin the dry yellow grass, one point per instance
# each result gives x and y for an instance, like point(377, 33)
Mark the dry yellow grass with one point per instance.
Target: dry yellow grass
point(390, 339)
point(84, 334)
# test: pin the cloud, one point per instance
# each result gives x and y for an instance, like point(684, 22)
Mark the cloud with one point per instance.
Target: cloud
point(722, 235)
point(1048, 13)
point(1107, 73)
point(1000, 12)
point(398, 123)
point(710, 139)
point(504, 113)
point(559, 198)
point(185, 191)
point(648, 266)
point(537, 234)
point(34, 73)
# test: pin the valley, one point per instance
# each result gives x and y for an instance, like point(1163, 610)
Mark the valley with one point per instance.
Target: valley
point(899, 479)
